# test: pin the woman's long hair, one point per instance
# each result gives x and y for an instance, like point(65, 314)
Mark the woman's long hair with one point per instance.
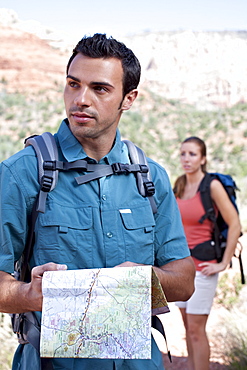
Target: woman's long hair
point(180, 183)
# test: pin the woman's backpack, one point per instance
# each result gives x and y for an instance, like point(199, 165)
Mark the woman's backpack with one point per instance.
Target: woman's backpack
point(220, 227)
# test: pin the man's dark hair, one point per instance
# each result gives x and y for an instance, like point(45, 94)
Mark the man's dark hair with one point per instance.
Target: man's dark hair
point(99, 46)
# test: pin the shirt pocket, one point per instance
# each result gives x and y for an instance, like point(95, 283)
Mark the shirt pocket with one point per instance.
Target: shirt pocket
point(64, 235)
point(138, 233)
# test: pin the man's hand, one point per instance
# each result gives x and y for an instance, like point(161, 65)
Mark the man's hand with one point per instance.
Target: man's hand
point(35, 287)
point(17, 296)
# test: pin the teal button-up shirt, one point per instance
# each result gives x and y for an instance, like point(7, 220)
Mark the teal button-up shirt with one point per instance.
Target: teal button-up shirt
point(98, 224)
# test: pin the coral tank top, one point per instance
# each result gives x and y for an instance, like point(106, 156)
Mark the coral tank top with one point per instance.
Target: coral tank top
point(191, 211)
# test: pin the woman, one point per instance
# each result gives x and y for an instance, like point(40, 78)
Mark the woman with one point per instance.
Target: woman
point(196, 310)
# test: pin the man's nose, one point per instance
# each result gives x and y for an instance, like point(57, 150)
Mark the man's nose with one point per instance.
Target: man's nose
point(83, 97)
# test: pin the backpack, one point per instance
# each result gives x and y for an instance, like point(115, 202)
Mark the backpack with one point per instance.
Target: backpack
point(220, 227)
point(26, 325)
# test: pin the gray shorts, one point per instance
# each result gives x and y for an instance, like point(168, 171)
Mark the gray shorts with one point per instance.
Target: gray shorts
point(201, 301)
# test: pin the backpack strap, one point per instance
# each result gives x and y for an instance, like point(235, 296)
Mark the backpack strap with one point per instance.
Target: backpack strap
point(139, 166)
point(157, 324)
point(46, 150)
point(237, 254)
point(207, 202)
point(204, 189)
point(144, 181)
point(96, 171)
point(48, 166)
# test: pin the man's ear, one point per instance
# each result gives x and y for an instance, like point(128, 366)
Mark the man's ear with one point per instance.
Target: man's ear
point(129, 99)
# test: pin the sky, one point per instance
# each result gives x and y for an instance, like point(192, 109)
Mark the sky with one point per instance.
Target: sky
point(123, 18)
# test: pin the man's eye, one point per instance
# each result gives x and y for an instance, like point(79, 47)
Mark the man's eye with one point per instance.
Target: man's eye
point(100, 88)
point(73, 84)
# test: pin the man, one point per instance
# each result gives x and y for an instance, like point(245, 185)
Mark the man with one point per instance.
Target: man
point(84, 225)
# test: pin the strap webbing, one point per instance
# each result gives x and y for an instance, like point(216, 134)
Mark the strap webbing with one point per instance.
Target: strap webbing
point(100, 170)
point(144, 180)
point(46, 363)
point(241, 269)
point(94, 175)
point(24, 268)
point(210, 214)
point(238, 252)
point(157, 324)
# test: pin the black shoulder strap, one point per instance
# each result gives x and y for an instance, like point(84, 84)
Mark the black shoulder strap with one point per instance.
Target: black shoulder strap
point(208, 205)
point(46, 150)
point(204, 189)
point(237, 254)
point(144, 180)
point(24, 269)
point(157, 324)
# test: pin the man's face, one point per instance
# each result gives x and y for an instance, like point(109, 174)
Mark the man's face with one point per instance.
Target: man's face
point(93, 97)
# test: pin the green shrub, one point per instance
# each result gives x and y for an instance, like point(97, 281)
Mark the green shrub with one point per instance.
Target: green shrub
point(233, 332)
point(237, 355)
point(228, 290)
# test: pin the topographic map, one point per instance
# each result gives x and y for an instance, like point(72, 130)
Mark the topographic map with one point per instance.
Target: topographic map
point(98, 313)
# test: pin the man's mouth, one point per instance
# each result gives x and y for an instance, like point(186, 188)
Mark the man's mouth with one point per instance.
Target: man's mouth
point(81, 117)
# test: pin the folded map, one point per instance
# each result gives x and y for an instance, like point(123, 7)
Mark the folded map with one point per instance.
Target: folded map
point(100, 313)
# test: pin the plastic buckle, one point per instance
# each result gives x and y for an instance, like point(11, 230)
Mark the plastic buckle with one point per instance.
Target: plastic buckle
point(46, 183)
point(119, 168)
point(17, 326)
point(16, 322)
point(149, 187)
point(49, 165)
point(143, 168)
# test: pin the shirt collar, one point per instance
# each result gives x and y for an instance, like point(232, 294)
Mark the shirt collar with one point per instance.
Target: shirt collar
point(72, 150)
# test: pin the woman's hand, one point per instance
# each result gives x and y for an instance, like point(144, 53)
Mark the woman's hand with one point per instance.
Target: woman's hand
point(212, 268)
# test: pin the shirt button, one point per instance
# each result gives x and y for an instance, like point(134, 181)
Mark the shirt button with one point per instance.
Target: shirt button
point(109, 235)
point(104, 197)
